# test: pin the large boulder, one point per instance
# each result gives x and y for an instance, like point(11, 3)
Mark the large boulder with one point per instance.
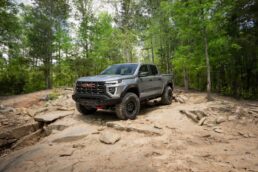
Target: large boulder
point(108, 137)
point(144, 129)
point(10, 136)
point(221, 119)
point(72, 134)
point(52, 116)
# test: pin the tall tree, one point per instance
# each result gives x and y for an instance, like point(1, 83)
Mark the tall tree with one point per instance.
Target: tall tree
point(86, 18)
point(126, 22)
point(12, 64)
point(47, 16)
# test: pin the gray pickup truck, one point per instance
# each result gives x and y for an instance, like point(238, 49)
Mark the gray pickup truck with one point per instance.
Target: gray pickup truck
point(122, 87)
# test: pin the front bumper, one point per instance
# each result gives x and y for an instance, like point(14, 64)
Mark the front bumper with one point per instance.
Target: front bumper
point(95, 100)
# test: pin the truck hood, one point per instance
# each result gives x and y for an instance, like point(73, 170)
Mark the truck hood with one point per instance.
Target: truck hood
point(103, 78)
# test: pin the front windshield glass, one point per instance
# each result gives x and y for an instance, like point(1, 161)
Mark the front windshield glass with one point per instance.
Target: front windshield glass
point(120, 69)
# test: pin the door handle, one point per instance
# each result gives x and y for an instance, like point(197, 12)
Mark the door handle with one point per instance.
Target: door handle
point(150, 79)
point(159, 79)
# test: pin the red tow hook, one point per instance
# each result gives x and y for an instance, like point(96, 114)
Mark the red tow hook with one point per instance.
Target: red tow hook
point(100, 107)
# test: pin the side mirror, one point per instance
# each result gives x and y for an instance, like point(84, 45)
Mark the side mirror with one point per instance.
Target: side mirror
point(143, 74)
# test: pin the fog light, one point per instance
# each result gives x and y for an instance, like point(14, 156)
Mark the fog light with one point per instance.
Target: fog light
point(112, 90)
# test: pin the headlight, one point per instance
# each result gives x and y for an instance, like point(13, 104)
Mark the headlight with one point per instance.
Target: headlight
point(110, 83)
point(112, 86)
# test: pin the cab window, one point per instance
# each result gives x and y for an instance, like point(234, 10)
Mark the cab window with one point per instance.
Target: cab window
point(144, 68)
point(153, 70)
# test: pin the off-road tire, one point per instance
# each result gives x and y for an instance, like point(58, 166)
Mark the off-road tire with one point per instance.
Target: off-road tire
point(129, 107)
point(167, 96)
point(85, 111)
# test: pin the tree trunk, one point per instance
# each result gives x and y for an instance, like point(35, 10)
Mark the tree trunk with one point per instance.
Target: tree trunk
point(131, 55)
point(47, 73)
point(149, 55)
point(169, 57)
point(127, 54)
point(48, 82)
point(152, 51)
point(86, 50)
point(59, 56)
point(207, 66)
point(48, 63)
point(186, 81)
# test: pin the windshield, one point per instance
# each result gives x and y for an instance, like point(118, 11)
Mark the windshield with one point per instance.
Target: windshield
point(120, 69)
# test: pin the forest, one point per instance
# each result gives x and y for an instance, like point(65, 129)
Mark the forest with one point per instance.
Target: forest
point(208, 45)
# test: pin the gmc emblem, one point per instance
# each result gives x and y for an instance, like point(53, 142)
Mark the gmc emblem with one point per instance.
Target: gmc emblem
point(88, 85)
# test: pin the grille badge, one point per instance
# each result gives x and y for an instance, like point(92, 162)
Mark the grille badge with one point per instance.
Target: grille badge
point(88, 85)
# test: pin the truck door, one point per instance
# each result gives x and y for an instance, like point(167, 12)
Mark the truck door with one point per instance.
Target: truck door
point(156, 83)
point(144, 81)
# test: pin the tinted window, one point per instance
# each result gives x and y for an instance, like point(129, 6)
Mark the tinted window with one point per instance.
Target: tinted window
point(154, 70)
point(144, 68)
point(120, 69)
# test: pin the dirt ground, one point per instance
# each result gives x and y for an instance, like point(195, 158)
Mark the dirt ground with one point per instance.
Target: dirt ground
point(191, 134)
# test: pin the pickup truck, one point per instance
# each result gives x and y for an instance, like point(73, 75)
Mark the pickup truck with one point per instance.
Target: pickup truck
point(122, 87)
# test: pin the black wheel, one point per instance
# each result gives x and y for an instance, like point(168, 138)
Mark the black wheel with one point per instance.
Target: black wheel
point(129, 107)
point(84, 110)
point(167, 96)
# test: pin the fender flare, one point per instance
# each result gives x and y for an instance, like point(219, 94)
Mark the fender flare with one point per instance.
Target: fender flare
point(131, 86)
point(169, 83)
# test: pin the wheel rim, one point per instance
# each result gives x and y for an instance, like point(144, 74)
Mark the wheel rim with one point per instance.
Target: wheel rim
point(130, 107)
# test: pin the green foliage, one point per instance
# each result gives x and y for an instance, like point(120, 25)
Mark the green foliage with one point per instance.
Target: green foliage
point(179, 29)
point(53, 95)
point(63, 74)
point(41, 47)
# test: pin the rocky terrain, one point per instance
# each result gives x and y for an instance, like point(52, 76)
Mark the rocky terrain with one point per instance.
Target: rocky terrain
point(42, 131)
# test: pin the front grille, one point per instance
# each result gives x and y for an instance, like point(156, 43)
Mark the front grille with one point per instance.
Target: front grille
point(91, 88)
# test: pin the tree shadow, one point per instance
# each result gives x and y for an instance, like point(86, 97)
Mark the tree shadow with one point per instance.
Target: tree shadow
point(149, 107)
point(102, 116)
point(98, 118)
